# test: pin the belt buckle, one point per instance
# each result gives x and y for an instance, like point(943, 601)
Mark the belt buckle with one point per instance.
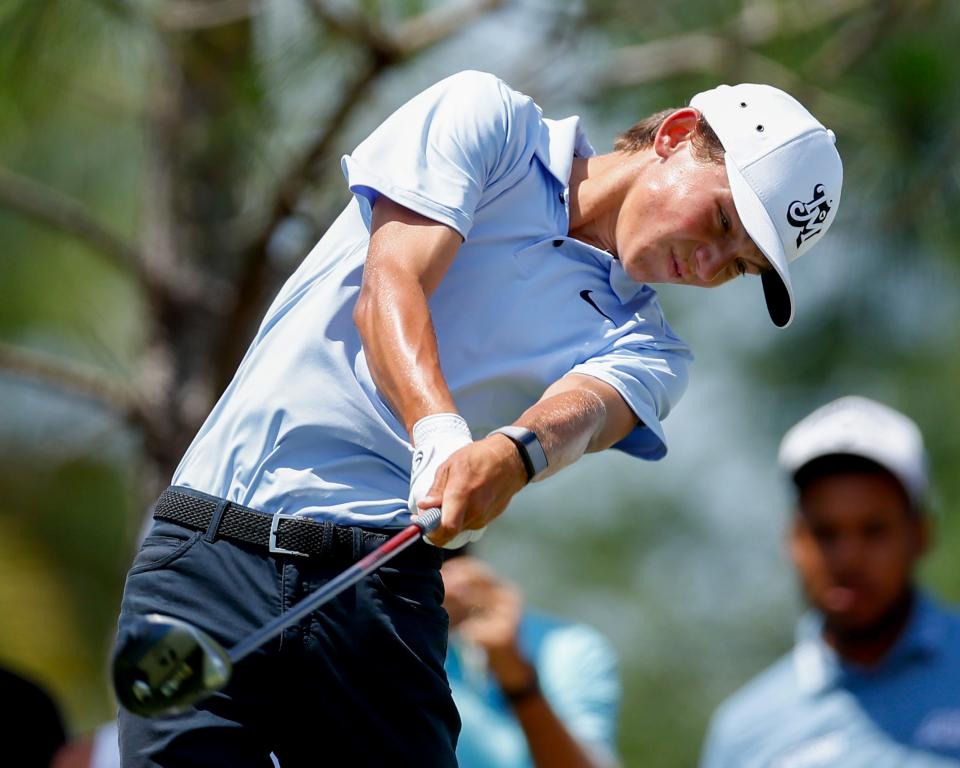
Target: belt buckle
point(272, 542)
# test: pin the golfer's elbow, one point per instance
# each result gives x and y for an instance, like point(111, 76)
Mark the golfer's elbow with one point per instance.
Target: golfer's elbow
point(371, 313)
point(363, 314)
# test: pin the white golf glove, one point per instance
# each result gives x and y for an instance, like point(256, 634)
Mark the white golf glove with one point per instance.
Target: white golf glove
point(435, 439)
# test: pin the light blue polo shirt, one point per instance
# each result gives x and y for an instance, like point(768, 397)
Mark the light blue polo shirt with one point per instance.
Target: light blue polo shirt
point(302, 429)
point(579, 678)
point(810, 710)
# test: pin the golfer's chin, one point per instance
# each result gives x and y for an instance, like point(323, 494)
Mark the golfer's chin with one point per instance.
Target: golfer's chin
point(647, 267)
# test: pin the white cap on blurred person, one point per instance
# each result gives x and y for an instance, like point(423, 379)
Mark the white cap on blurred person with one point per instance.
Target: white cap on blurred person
point(785, 175)
point(857, 426)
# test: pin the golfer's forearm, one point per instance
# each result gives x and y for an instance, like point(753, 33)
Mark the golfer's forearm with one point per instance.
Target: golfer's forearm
point(401, 348)
point(565, 424)
point(576, 416)
point(551, 744)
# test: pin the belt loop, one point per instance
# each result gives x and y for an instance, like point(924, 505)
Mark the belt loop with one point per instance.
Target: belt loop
point(326, 539)
point(215, 518)
point(357, 543)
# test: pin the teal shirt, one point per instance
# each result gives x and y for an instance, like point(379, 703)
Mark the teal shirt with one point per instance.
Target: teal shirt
point(579, 678)
point(811, 710)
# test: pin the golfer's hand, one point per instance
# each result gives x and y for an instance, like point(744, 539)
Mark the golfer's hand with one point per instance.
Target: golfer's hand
point(435, 439)
point(473, 487)
point(486, 611)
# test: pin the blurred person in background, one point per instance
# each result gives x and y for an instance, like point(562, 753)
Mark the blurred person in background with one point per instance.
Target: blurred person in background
point(31, 726)
point(34, 735)
point(99, 749)
point(532, 690)
point(874, 677)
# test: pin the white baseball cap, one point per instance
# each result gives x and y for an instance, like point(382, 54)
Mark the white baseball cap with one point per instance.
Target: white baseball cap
point(785, 175)
point(857, 426)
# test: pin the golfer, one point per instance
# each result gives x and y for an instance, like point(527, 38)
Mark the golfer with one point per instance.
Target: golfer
point(874, 677)
point(478, 317)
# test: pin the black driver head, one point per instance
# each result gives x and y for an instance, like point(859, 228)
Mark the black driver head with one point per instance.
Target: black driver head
point(163, 665)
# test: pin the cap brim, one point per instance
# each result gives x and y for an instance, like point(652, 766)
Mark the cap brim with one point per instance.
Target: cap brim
point(777, 289)
point(779, 301)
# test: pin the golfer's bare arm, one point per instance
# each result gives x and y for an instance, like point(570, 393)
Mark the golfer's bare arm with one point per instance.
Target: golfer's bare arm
point(576, 415)
point(408, 256)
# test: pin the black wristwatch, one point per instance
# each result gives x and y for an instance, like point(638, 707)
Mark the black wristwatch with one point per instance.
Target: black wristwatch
point(528, 444)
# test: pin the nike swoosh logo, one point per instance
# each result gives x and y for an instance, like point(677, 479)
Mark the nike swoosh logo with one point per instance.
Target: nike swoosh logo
point(585, 295)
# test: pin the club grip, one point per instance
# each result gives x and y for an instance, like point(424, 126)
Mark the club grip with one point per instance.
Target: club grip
point(428, 519)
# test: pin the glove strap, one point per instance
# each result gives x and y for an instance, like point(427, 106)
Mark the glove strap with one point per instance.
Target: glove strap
point(429, 427)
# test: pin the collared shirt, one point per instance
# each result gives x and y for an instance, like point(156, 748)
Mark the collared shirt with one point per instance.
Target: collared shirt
point(578, 675)
point(302, 429)
point(812, 710)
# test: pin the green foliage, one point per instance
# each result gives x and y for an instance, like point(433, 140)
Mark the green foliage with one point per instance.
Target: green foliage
point(66, 547)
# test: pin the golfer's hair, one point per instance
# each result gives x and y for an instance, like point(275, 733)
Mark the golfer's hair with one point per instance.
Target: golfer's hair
point(845, 464)
point(706, 146)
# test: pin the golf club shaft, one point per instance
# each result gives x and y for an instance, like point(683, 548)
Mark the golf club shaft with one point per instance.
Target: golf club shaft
point(425, 523)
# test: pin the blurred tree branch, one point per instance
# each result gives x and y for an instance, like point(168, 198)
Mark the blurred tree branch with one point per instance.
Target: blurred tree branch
point(192, 15)
point(417, 34)
point(381, 51)
point(711, 50)
point(411, 36)
point(53, 208)
point(73, 379)
point(359, 28)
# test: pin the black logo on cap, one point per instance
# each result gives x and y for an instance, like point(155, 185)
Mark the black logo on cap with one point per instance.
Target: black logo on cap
point(808, 216)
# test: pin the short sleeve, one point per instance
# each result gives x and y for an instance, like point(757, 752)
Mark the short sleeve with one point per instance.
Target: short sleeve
point(579, 674)
point(651, 376)
point(716, 751)
point(438, 152)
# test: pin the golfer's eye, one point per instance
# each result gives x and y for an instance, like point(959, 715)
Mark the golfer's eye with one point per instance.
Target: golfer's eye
point(724, 221)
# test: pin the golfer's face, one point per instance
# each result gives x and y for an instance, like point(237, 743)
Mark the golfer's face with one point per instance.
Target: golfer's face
point(855, 545)
point(680, 226)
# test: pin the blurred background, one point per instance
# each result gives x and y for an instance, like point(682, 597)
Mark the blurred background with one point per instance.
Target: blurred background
point(164, 164)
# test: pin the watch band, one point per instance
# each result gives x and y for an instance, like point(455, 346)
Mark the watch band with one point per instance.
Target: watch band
point(528, 444)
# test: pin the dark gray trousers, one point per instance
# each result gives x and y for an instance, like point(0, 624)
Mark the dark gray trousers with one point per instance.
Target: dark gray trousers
point(360, 682)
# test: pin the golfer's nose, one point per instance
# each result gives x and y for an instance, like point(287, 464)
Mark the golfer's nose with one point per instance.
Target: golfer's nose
point(710, 259)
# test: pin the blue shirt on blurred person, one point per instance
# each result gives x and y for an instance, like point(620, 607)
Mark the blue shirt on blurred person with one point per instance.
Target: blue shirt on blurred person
point(577, 669)
point(531, 690)
point(813, 709)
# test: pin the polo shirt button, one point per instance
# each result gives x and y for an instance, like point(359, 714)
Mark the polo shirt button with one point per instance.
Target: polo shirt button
point(557, 243)
point(562, 198)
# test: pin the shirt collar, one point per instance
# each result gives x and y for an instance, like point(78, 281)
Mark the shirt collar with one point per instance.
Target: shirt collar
point(561, 141)
point(818, 667)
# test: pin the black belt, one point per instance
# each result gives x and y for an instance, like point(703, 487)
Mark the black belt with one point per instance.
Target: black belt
point(279, 534)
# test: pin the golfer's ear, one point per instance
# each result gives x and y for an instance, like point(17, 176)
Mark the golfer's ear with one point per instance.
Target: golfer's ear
point(675, 131)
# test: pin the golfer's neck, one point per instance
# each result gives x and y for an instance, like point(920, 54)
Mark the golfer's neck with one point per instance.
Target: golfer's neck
point(598, 186)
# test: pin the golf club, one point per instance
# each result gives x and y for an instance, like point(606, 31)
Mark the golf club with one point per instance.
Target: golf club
point(163, 665)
